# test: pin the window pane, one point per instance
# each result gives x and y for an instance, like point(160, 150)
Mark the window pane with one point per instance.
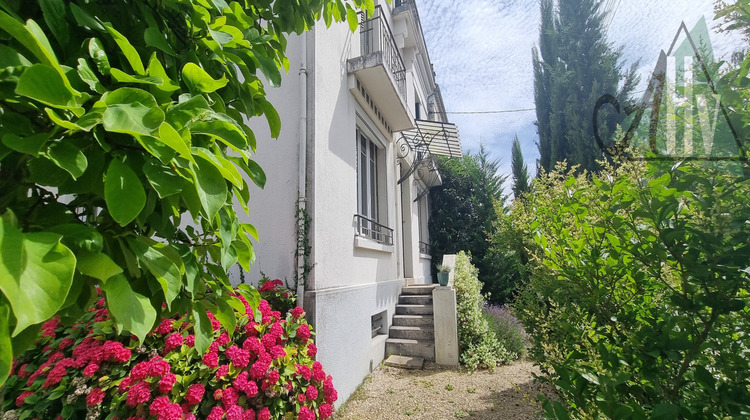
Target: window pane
point(362, 179)
point(373, 182)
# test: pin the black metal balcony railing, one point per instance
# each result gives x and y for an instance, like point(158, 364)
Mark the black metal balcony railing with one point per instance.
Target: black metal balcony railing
point(371, 229)
point(376, 35)
point(425, 248)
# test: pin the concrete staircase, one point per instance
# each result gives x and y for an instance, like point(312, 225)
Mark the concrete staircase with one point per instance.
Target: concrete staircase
point(411, 338)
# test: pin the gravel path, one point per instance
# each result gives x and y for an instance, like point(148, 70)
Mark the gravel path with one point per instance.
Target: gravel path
point(446, 393)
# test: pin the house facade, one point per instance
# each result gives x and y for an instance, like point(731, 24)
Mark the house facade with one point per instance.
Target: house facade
point(362, 118)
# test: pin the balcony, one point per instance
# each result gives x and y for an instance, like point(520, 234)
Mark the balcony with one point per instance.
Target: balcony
point(378, 79)
point(370, 229)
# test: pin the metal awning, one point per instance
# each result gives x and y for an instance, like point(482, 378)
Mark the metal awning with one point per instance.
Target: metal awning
point(442, 138)
point(416, 148)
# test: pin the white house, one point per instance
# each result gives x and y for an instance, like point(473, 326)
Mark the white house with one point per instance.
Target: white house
point(362, 118)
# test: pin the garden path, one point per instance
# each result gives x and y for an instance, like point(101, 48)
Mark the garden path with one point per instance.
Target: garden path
point(437, 392)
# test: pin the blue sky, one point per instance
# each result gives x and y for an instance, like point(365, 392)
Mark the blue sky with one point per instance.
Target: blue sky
point(481, 50)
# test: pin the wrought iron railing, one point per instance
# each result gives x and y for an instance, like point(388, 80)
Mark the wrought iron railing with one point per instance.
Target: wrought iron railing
point(425, 248)
point(371, 229)
point(376, 35)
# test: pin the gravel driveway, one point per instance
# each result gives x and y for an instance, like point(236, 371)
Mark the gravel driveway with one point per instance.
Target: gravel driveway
point(446, 393)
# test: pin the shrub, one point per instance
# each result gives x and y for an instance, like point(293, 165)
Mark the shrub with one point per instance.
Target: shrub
point(507, 328)
point(639, 297)
point(478, 345)
point(277, 295)
point(261, 368)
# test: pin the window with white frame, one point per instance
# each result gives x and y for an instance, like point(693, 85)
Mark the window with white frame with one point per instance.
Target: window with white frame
point(370, 191)
point(423, 211)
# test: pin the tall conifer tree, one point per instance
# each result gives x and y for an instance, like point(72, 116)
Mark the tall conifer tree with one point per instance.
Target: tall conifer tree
point(574, 65)
point(520, 172)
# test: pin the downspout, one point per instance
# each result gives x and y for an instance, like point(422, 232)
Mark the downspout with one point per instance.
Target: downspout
point(301, 182)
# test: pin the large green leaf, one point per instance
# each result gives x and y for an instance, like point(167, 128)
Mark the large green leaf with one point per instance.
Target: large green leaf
point(6, 347)
point(155, 38)
point(210, 186)
point(227, 169)
point(269, 69)
point(188, 111)
point(203, 330)
point(163, 179)
point(131, 310)
point(223, 128)
point(46, 85)
point(132, 111)
point(225, 314)
point(99, 55)
point(128, 50)
point(166, 272)
point(30, 145)
point(36, 272)
point(199, 81)
point(54, 15)
point(274, 122)
point(122, 77)
point(123, 192)
point(169, 136)
point(97, 265)
point(67, 156)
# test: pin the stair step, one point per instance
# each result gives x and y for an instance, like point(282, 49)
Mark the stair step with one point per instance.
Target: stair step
point(415, 299)
point(414, 309)
point(425, 289)
point(405, 362)
point(413, 320)
point(412, 332)
point(409, 347)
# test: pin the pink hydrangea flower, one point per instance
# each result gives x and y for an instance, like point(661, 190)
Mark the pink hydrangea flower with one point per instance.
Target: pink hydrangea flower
point(325, 410)
point(305, 414)
point(167, 382)
point(172, 342)
point(194, 394)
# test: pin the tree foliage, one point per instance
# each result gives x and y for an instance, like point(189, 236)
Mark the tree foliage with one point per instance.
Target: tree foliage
point(463, 207)
point(519, 170)
point(574, 65)
point(123, 146)
point(639, 295)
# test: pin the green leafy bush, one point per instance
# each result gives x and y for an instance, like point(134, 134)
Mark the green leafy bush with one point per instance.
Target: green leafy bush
point(123, 148)
point(478, 345)
point(262, 367)
point(639, 298)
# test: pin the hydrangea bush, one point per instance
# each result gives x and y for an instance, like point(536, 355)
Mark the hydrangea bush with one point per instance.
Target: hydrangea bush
point(262, 369)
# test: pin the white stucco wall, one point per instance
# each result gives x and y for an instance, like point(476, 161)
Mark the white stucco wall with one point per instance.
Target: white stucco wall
point(350, 353)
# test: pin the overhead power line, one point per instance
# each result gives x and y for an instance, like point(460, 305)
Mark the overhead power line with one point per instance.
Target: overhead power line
point(505, 111)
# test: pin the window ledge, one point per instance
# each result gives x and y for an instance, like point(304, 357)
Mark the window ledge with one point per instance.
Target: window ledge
point(425, 256)
point(364, 243)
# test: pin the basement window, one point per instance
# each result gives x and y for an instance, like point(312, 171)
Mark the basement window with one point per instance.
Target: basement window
point(379, 324)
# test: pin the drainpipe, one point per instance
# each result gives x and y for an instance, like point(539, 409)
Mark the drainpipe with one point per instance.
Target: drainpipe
point(301, 183)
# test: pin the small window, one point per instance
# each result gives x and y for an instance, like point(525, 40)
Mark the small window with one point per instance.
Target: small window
point(378, 324)
point(418, 110)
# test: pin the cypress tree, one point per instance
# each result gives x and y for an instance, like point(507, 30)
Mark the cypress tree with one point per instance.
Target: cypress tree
point(574, 65)
point(520, 172)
